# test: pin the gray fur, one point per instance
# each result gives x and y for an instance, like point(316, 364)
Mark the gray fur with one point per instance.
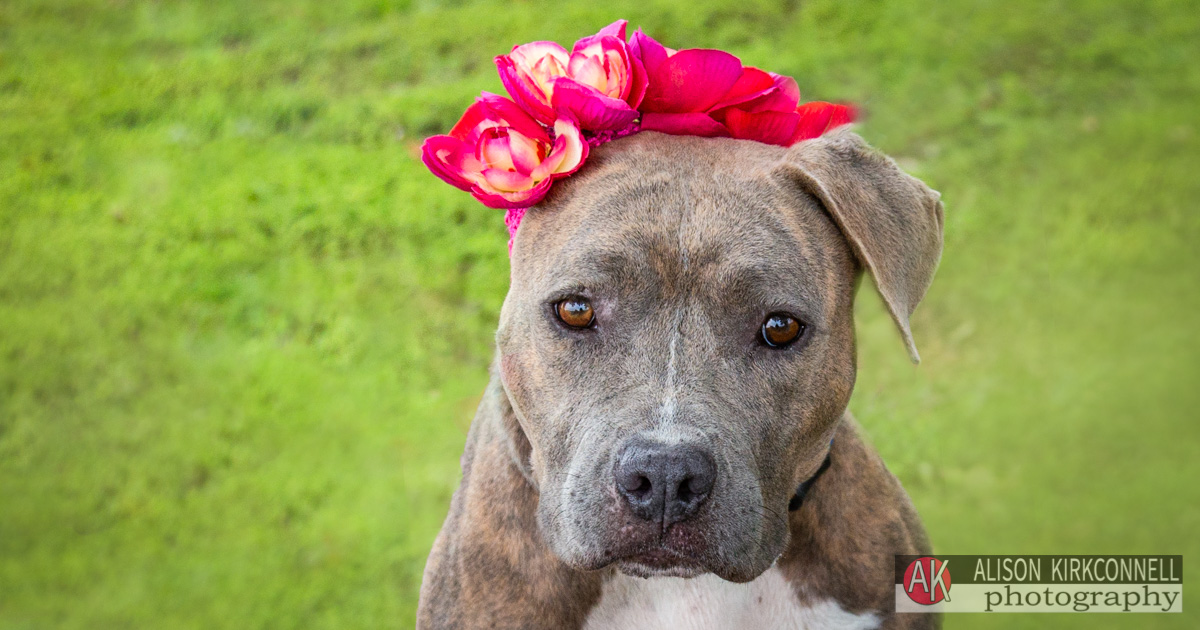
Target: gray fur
point(683, 245)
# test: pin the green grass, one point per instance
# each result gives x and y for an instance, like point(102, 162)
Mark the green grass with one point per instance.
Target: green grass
point(242, 331)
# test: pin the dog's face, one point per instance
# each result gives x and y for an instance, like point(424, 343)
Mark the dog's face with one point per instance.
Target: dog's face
point(678, 340)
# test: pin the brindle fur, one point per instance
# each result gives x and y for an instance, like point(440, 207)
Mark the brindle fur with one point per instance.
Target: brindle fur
point(682, 245)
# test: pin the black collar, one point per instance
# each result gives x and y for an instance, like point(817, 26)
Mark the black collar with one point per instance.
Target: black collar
point(804, 486)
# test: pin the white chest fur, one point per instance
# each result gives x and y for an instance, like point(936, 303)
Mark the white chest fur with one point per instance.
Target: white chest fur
point(710, 603)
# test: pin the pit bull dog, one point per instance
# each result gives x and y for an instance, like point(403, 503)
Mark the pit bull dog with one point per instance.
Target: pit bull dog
point(674, 360)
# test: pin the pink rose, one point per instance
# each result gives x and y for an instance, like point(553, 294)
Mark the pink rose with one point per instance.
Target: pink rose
point(502, 156)
point(702, 92)
point(600, 83)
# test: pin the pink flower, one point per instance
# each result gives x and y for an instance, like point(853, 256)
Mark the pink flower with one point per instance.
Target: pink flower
point(818, 117)
point(759, 91)
point(686, 81)
point(502, 156)
point(600, 83)
point(702, 92)
point(786, 128)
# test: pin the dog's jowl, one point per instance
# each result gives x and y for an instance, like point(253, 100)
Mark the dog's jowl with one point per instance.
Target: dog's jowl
point(674, 361)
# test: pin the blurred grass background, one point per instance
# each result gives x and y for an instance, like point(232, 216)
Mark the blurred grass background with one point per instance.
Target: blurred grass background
point(243, 331)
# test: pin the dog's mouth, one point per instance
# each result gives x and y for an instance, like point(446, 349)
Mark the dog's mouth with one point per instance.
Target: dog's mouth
point(646, 549)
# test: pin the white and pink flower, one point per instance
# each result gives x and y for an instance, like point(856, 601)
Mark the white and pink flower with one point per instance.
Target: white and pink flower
point(503, 156)
point(600, 83)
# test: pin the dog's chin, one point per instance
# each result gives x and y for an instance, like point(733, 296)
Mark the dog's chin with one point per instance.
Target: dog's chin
point(640, 570)
point(643, 567)
point(660, 563)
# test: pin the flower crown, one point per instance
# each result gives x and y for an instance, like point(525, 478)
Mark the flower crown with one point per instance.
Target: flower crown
point(507, 153)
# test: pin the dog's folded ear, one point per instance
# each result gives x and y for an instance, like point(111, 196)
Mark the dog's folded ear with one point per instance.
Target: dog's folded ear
point(892, 221)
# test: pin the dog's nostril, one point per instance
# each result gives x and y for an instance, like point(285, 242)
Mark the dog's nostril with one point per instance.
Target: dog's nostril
point(702, 482)
point(684, 492)
point(693, 489)
point(635, 484)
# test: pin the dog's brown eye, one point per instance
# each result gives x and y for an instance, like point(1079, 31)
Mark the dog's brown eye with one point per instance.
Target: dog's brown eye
point(575, 312)
point(780, 330)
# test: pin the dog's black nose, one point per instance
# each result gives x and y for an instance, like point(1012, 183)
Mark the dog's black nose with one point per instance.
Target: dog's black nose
point(665, 483)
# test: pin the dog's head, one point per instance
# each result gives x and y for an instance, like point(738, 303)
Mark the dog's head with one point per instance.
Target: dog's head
point(678, 343)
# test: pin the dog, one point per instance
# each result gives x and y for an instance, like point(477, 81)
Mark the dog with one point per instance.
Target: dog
point(675, 357)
